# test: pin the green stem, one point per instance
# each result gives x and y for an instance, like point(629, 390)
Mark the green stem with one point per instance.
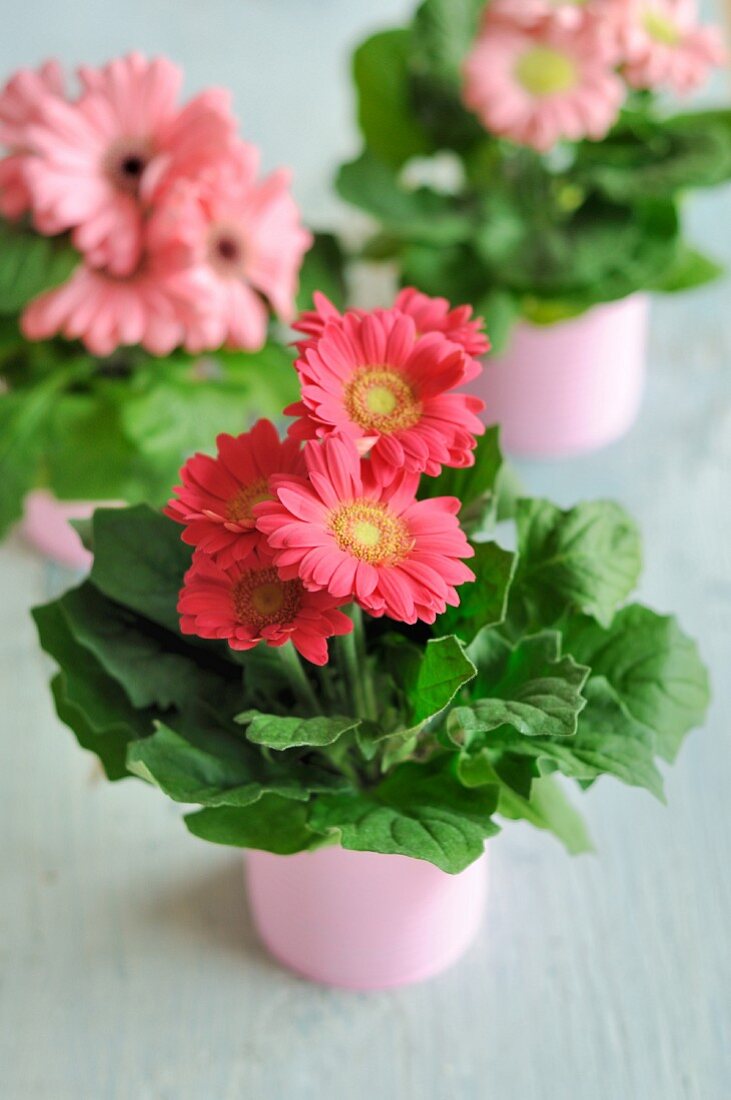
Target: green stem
point(349, 660)
point(298, 679)
point(370, 703)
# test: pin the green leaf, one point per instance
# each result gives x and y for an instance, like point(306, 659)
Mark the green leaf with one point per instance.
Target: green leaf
point(443, 34)
point(21, 446)
point(30, 264)
point(421, 215)
point(140, 561)
point(154, 667)
point(608, 742)
point(476, 486)
point(87, 699)
point(278, 732)
point(691, 269)
point(484, 602)
point(529, 687)
point(501, 310)
point(432, 682)
point(585, 559)
point(419, 810)
point(215, 768)
point(548, 808)
point(181, 405)
point(323, 269)
point(273, 824)
point(654, 668)
point(385, 114)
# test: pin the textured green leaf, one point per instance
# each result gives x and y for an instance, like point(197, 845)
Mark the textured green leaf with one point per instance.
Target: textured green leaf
point(433, 681)
point(87, 699)
point(548, 808)
point(154, 667)
point(385, 114)
point(443, 33)
point(140, 561)
point(585, 559)
point(529, 687)
point(277, 732)
point(30, 264)
point(215, 768)
point(273, 824)
point(484, 602)
point(419, 810)
point(654, 668)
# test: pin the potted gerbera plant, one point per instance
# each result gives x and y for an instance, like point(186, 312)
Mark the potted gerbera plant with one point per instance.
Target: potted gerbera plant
point(142, 257)
point(522, 155)
point(346, 670)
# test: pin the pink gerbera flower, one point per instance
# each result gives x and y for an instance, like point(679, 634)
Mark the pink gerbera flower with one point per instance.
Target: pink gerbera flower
point(249, 603)
point(340, 529)
point(539, 86)
point(527, 13)
point(217, 495)
point(100, 160)
point(428, 314)
point(152, 308)
point(662, 43)
point(246, 235)
point(19, 101)
point(376, 380)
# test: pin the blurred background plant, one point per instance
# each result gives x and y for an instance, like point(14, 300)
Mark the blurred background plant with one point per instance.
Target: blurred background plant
point(524, 157)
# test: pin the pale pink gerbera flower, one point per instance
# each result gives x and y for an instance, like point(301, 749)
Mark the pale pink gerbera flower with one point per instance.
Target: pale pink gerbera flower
point(539, 86)
point(19, 101)
point(527, 13)
point(376, 380)
point(217, 495)
point(151, 307)
point(341, 530)
point(246, 234)
point(248, 604)
point(100, 160)
point(662, 43)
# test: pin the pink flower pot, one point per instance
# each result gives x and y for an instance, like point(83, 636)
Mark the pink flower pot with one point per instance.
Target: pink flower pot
point(45, 525)
point(360, 920)
point(572, 387)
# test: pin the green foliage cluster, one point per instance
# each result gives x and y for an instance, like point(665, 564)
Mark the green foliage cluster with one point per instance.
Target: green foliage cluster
point(520, 234)
point(412, 740)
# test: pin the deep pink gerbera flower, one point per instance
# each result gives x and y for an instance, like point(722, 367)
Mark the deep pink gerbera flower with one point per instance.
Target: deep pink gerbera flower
point(247, 236)
point(217, 495)
point(249, 603)
point(662, 43)
point(100, 160)
point(152, 307)
point(537, 86)
point(19, 102)
point(340, 529)
point(376, 380)
point(428, 314)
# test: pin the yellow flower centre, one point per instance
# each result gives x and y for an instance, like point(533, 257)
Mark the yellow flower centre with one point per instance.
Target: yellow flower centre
point(371, 532)
point(543, 71)
point(260, 599)
point(659, 27)
point(379, 399)
point(240, 508)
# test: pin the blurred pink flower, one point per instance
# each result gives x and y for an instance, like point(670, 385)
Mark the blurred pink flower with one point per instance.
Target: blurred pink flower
point(102, 159)
point(151, 307)
point(541, 85)
point(245, 235)
point(19, 101)
point(662, 43)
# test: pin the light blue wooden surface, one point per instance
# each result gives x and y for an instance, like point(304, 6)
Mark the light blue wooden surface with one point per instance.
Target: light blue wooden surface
point(128, 968)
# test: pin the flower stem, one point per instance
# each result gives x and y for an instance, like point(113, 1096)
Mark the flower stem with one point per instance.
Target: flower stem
point(367, 687)
point(298, 679)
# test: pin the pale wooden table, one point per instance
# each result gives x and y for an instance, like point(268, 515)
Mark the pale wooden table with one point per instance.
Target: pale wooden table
point(128, 967)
